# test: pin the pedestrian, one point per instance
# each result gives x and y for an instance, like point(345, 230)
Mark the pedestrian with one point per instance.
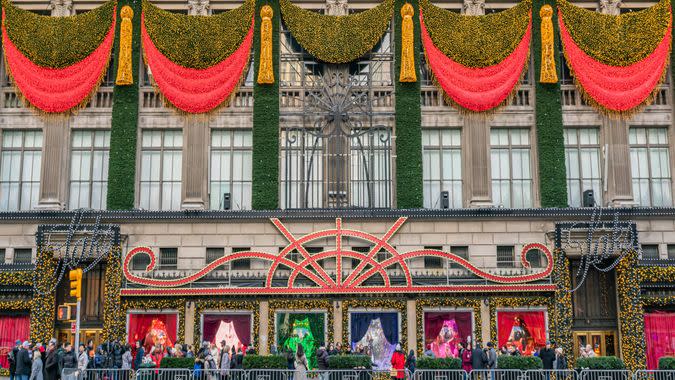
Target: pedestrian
point(239, 360)
point(36, 368)
point(322, 362)
point(429, 352)
point(491, 356)
point(478, 358)
point(140, 353)
point(127, 358)
point(338, 348)
point(51, 365)
point(560, 360)
point(82, 358)
point(397, 363)
point(210, 367)
point(23, 362)
point(465, 356)
point(224, 361)
point(290, 359)
point(11, 357)
point(411, 362)
point(300, 364)
point(547, 356)
point(68, 362)
point(274, 350)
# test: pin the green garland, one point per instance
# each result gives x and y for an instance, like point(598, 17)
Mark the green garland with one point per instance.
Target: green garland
point(631, 317)
point(617, 40)
point(20, 278)
point(409, 192)
point(337, 39)
point(43, 309)
point(464, 302)
point(201, 306)
point(57, 42)
point(561, 316)
point(266, 123)
point(122, 160)
point(548, 114)
point(197, 41)
point(477, 41)
point(114, 322)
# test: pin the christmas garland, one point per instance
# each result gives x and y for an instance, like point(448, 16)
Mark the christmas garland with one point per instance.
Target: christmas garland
point(617, 62)
point(16, 278)
point(114, 322)
point(398, 305)
point(56, 63)
point(197, 62)
point(337, 39)
point(43, 304)
point(197, 42)
point(616, 40)
point(472, 303)
point(201, 306)
point(476, 41)
point(481, 75)
point(631, 315)
point(57, 42)
point(177, 304)
point(561, 316)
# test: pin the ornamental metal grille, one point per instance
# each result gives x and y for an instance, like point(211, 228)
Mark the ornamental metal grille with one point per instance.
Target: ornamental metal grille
point(336, 129)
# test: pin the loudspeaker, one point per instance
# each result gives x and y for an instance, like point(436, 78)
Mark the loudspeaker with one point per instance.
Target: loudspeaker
point(445, 199)
point(588, 198)
point(226, 201)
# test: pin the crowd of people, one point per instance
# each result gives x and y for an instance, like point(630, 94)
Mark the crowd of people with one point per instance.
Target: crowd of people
point(28, 361)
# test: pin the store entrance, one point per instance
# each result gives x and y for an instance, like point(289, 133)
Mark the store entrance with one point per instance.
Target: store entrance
point(65, 335)
point(604, 343)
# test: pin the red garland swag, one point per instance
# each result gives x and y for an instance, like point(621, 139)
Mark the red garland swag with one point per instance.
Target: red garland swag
point(618, 89)
point(53, 90)
point(196, 91)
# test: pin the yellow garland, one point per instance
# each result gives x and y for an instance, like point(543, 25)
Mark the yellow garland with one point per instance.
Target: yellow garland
point(337, 39)
point(300, 306)
point(656, 274)
point(20, 278)
point(548, 72)
point(198, 42)
point(265, 71)
point(631, 315)
point(617, 40)
point(43, 309)
point(476, 41)
point(561, 317)
point(407, 73)
point(125, 75)
point(177, 304)
point(57, 42)
point(464, 302)
point(222, 305)
point(392, 303)
point(114, 320)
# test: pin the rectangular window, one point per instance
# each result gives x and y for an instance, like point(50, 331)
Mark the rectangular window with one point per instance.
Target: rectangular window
point(582, 159)
point(241, 264)
point(511, 167)
point(2, 256)
point(671, 251)
point(20, 165)
point(230, 169)
point(161, 170)
point(168, 258)
point(213, 254)
point(89, 169)
point(650, 251)
point(442, 167)
point(23, 256)
point(431, 262)
point(461, 251)
point(650, 166)
point(505, 256)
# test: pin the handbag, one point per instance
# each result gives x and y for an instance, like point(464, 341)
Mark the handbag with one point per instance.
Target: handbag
point(393, 372)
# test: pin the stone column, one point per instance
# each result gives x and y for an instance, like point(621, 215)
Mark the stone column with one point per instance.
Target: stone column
point(485, 322)
point(476, 134)
point(195, 163)
point(619, 180)
point(190, 322)
point(337, 323)
point(263, 334)
point(411, 308)
point(54, 173)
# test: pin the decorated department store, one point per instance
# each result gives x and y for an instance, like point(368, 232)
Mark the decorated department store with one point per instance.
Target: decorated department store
point(419, 172)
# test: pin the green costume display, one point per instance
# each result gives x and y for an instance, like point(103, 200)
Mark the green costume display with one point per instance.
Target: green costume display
point(302, 334)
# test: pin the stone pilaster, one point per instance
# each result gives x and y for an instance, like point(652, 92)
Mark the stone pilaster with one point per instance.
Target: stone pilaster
point(619, 180)
point(190, 322)
point(411, 311)
point(476, 161)
point(263, 334)
point(337, 323)
point(195, 163)
point(485, 322)
point(54, 174)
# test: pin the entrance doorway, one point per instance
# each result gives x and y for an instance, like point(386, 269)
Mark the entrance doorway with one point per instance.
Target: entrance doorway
point(65, 335)
point(604, 343)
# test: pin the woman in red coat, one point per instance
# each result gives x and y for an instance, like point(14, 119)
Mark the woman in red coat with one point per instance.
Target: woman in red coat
point(465, 356)
point(398, 364)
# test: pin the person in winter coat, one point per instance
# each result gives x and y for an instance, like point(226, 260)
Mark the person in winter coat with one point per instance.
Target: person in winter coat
point(12, 359)
point(68, 362)
point(224, 361)
point(51, 365)
point(116, 354)
point(239, 360)
point(210, 367)
point(478, 357)
point(140, 353)
point(465, 356)
point(290, 359)
point(322, 362)
point(411, 362)
point(82, 358)
point(547, 355)
point(23, 362)
point(398, 364)
point(491, 356)
point(300, 364)
point(560, 360)
point(127, 358)
point(36, 368)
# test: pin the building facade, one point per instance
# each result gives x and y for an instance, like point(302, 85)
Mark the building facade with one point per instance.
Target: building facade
point(449, 214)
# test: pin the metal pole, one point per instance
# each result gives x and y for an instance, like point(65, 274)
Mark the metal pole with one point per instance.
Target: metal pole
point(77, 327)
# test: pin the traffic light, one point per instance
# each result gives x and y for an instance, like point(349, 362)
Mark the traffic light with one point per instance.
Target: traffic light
point(76, 283)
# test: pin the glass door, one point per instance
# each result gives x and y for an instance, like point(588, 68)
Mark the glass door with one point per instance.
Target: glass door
point(603, 343)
